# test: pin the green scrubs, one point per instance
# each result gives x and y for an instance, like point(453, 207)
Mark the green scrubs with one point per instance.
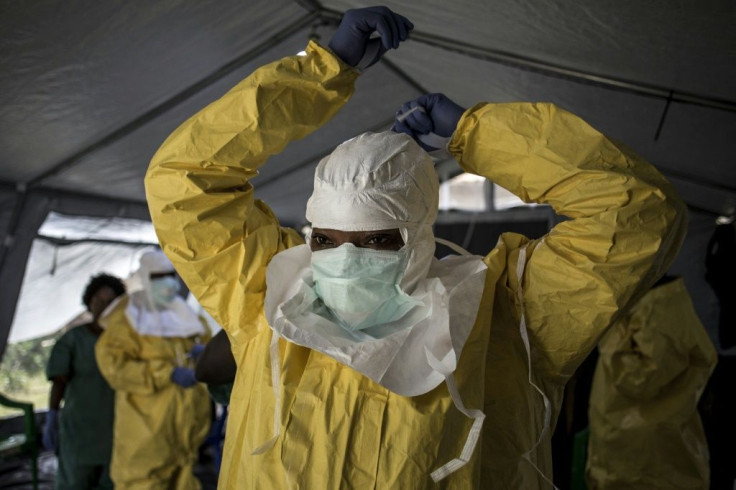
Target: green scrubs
point(220, 393)
point(86, 419)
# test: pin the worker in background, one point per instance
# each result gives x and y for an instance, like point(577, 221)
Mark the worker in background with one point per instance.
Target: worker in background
point(645, 430)
point(363, 362)
point(147, 353)
point(81, 430)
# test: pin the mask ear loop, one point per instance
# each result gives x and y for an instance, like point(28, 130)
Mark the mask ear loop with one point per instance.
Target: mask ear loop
point(453, 246)
point(520, 266)
point(276, 382)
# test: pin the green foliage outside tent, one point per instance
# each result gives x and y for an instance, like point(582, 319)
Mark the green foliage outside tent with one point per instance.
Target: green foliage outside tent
point(22, 373)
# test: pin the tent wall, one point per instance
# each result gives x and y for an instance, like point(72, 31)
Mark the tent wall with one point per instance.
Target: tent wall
point(19, 226)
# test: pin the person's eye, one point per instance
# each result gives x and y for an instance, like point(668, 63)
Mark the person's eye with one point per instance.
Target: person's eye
point(321, 241)
point(379, 240)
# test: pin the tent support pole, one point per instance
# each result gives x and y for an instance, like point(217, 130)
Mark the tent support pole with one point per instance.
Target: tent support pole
point(9, 238)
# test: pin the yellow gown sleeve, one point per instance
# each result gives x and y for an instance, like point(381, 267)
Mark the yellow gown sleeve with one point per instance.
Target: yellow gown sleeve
point(627, 222)
point(118, 353)
point(218, 236)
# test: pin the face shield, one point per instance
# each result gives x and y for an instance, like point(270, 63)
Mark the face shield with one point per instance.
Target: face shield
point(154, 307)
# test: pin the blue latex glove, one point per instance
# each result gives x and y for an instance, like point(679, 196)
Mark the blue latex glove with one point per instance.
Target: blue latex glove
point(352, 41)
point(430, 119)
point(196, 351)
point(51, 430)
point(184, 377)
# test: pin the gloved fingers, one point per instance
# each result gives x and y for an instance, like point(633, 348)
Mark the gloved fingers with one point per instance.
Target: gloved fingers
point(405, 26)
point(402, 127)
point(429, 101)
point(419, 122)
point(390, 26)
point(413, 115)
point(386, 28)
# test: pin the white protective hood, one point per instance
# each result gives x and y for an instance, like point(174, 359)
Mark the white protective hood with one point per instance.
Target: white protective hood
point(176, 320)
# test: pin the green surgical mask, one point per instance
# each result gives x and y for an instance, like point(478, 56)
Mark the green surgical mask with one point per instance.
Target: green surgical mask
point(360, 286)
point(163, 290)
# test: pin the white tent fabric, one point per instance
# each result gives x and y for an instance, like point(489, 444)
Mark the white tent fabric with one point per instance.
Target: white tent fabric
point(68, 251)
point(55, 279)
point(88, 90)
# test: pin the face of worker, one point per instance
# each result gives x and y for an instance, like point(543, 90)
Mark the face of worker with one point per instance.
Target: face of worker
point(324, 238)
point(101, 300)
point(164, 288)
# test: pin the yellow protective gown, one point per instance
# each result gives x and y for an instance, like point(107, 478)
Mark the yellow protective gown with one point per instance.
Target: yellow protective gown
point(159, 425)
point(339, 429)
point(645, 431)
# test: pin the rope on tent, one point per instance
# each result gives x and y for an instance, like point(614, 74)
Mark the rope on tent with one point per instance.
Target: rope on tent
point(664, 115)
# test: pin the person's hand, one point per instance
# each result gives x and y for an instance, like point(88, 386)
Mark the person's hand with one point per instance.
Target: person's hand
point(352, 41)
point(430, 119)
point(50, 437)
point(195, 351)
point(184, 377)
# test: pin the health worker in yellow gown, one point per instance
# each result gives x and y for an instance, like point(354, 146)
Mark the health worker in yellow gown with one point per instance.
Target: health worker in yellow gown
point(146, 353)
point(364, 362)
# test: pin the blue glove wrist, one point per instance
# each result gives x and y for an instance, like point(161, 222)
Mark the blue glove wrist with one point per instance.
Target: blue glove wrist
point(50, 435)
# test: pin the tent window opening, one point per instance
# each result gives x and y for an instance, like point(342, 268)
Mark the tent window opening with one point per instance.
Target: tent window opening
point(67, 252)
point(473, 193)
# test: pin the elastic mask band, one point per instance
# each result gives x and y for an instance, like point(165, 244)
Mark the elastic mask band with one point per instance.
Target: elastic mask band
point(475, 430)
point(520, 265)
point(276, 382)
point(453, 246)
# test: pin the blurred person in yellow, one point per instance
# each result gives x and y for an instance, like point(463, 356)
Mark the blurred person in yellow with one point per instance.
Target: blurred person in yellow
point(146, 353)
point(81, 431)
point(645, 430)
point(363, 361)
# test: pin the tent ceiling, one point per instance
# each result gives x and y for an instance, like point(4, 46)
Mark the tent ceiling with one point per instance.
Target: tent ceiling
point(88, 90)
point(687, 46)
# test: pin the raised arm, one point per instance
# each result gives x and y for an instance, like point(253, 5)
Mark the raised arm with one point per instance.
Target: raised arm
point(626, 228)
point(219, 237)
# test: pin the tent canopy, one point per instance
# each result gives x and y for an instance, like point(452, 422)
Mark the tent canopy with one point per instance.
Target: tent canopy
point(88, 90)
